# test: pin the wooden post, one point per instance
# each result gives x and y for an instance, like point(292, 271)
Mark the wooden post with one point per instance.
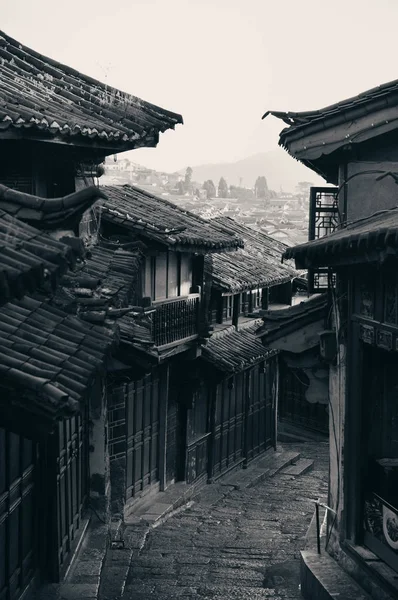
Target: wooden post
point(164, 391)
point(275, 396)
point(235, 310)
point(246, 407)
point(213, 408)
point(286, 294)
point(265, 299)
point(220, 300)
point(250, 309)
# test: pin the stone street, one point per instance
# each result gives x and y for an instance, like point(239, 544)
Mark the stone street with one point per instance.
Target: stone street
point(242, 543)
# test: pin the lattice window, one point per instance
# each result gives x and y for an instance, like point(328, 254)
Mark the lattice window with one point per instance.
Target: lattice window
point(324, 219)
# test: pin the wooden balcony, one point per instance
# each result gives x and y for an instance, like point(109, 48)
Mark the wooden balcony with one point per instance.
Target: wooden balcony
point(175, 320)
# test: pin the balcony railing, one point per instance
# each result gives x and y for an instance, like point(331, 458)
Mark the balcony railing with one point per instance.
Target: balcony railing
point(175, 319)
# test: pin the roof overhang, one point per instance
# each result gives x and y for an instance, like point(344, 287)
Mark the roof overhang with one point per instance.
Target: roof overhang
point(318, 138)
point(374, 239)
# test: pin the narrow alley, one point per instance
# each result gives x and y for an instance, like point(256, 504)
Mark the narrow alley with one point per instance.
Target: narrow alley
point(234, 541)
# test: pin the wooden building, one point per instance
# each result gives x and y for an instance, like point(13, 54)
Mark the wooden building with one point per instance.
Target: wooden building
point(250, 280)
point(254, 282)
point(58, 305)
point(239, 384)
point(154, 378)
point(354, 144)
point(58, 124)
point(51, 366)
point(237, 376)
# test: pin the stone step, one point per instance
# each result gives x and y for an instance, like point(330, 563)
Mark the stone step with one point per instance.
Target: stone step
point(303, 465)
point(285, 459)
point(323, 579)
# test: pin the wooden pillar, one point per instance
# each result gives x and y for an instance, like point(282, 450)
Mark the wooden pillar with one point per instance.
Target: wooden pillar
point(275, 395)
point(246, 407)
point(164, 400)
point(286, 290)
point(265, 299)
point(235, 310)
point(250, 310)
point(220, 300)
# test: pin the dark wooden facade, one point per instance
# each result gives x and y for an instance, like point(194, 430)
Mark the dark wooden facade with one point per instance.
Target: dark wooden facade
point(19, 497)
point(372, 424)
point(243, 422)
point(230, 420)
point(44, 489)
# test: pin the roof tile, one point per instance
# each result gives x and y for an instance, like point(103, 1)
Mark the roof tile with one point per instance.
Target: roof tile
point(258, 264)
point(50, 354)
point(38, 93)
point(28, 258)
point(230, 350)
point(157, 219)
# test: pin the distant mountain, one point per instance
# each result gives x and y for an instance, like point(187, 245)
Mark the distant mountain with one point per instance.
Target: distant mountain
point(280, 169)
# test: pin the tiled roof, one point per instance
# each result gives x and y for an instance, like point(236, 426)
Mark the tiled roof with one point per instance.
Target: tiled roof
point(49, 355)
point(28, 258)
point(98, 288)
point(382, 96)
point(48, 213)
point(136, 332)
point(313, 136)
point(230, 350)
point(157, 219)
point(258, 264)
point(354, 243)
point(40, 95)
point(287, 320)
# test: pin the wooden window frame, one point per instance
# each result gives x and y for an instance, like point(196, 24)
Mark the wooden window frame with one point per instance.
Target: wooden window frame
point(153, 267)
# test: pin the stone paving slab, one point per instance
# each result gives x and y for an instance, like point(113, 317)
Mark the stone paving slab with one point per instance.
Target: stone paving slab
point(299, 468)
point(235, 540)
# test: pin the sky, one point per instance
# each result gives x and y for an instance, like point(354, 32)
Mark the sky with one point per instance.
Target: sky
point(219, 63)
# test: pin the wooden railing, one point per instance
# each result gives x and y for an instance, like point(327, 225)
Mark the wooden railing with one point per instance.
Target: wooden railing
point(175, 319)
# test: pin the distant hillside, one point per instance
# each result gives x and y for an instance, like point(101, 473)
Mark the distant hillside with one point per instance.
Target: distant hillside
point(280, 169)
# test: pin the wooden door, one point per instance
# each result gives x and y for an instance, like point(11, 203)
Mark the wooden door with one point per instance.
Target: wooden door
point(142, 417)
point(72, 481)
point(227, 443)
point(197, 435)
point(18, 514)
point(259, 413)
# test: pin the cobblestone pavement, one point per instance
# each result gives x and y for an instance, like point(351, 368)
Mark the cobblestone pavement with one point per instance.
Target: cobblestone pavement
point(244, 545)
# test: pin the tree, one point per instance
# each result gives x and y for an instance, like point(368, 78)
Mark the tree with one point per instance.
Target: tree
point(210, 188)
point(261, 187)
point(241, 193)
point(222, 188)
point(188, 177)
point(180, 187)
